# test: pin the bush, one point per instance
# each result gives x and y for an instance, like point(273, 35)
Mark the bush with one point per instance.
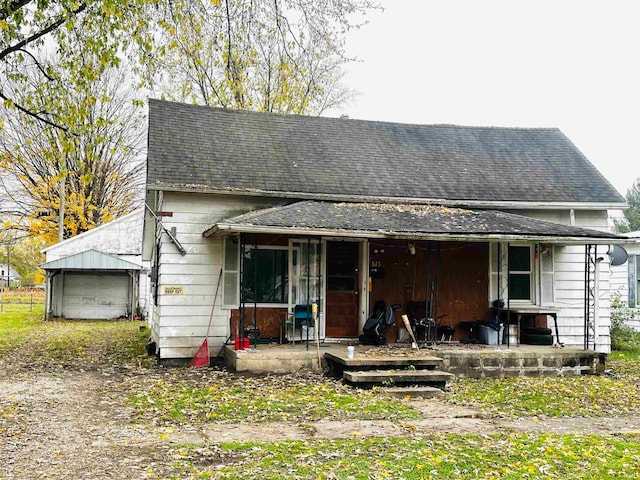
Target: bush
point(623, 337)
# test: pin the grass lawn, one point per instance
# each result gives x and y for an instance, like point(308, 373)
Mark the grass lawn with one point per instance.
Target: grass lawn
point(191, 398)
point(435, 456)
point(27, 340)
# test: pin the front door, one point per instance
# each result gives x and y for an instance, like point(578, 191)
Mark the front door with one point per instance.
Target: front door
point(342, 289)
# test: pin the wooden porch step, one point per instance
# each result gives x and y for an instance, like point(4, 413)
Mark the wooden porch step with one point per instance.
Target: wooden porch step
point(431, 378)
point(363, 361)
point(414, 392)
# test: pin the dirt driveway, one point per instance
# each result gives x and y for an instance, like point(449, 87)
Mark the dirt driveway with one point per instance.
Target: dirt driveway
point(78, 424)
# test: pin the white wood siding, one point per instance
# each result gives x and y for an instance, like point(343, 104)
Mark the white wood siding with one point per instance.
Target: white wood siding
point(182, 319)
point(569, 268)
point(619, 279)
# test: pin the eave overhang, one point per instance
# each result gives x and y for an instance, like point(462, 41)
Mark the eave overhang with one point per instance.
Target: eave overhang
point(457, 203)
point(405, 222)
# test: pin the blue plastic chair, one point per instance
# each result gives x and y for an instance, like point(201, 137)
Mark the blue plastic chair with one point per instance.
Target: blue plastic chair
point(302, 316)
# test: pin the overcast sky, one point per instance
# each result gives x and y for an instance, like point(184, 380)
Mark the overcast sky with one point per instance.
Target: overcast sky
point(570, 64)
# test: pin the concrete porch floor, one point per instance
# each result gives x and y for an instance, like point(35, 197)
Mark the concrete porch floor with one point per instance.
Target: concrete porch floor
point(463, 360)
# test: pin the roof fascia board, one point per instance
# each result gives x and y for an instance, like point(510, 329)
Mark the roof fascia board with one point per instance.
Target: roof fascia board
point(420, 201)
point(227, 229)
point(93, 231)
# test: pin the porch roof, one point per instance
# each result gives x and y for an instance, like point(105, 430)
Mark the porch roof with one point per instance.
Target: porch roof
point(406, 221)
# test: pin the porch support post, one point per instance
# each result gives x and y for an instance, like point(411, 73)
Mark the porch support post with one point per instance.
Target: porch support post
point(591, 287)
point(47, 293)
point(241, 307)
point(428, 304)
point(503, 291)
point(308, 288)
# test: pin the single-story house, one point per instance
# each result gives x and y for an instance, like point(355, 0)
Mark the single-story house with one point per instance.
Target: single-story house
point(98, 274)
point(9, 277)
point(625, 275)
point(278, 211)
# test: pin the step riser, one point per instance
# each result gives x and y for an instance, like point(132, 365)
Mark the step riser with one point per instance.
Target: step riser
point(412, 392)
point(393, 378)
point(397, 376)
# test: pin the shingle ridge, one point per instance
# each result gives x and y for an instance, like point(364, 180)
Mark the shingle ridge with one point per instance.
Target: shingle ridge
point(293, 116)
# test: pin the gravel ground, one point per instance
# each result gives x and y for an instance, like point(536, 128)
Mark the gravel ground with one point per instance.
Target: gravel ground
point(60, 422)
point(74, 424)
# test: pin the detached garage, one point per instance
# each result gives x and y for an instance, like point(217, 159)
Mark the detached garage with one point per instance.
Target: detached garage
point(91, 285)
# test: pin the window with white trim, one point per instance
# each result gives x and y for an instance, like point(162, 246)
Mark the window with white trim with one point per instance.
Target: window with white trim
point(634, 280)
point(521, 273)
point(231, 272)
point(637, 280)
point(547, 275)
point(517, 269)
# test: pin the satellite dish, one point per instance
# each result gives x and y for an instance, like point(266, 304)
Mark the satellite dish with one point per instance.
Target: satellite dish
point(618, 255)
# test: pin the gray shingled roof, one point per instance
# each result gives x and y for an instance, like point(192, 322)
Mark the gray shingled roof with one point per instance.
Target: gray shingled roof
point(202, 148)
point(388, 220)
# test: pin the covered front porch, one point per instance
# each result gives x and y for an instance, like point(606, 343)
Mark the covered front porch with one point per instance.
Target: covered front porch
point(451, 271)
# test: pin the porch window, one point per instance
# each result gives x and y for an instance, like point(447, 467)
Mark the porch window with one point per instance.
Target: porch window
point(516, 271)
point(265, 275)
point(231, 262)
point(547, 275)
point(520, 272)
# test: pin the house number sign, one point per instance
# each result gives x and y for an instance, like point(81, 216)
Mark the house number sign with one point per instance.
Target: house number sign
point(174, 290)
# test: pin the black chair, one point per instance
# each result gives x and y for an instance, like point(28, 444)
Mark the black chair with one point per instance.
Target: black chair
point(430, 329)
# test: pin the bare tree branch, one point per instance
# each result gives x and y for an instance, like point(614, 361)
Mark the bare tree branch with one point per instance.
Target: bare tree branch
point(35, 115)
point(50, 28)
point(12, 7)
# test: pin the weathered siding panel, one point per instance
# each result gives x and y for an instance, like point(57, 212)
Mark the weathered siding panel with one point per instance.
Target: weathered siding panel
point(183, 318)
point(569, 269)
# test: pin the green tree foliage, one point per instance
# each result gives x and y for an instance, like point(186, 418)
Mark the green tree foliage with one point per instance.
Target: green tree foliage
point(631, 221)
point(97, 155)
point(24, 255)
point(99, 32)
point(272, 55)
point(65, 118)
point(277, 56)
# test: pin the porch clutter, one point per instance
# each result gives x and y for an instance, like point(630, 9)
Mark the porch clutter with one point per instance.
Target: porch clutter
point(373, 332)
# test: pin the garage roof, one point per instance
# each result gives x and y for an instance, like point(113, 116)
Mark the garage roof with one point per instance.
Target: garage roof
point(90, 260)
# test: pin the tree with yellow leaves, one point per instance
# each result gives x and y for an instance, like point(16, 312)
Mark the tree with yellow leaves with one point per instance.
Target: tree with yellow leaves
point(95, 160)
point(281, 56)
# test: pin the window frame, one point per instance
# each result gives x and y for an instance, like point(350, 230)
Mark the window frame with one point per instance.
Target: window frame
point(533, 272)
point(283, 248)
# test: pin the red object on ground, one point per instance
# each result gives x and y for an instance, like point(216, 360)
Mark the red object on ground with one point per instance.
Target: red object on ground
point(201, 358)
point(242, 343)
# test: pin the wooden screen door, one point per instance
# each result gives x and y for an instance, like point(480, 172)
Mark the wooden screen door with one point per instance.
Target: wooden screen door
point(342, 289)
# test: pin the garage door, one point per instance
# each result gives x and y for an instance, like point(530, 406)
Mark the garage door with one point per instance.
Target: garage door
point(95, 296)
